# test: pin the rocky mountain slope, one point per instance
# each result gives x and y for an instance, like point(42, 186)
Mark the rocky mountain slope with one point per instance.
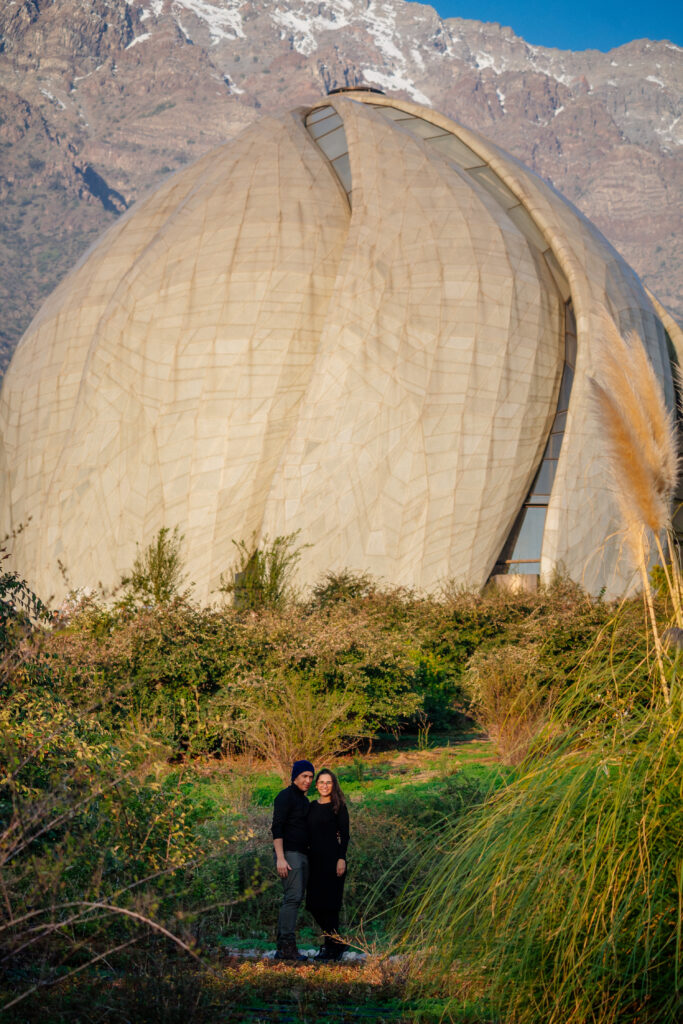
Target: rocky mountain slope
point(99, 99)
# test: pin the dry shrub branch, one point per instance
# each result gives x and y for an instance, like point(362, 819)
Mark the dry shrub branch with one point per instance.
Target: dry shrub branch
point(283, 719)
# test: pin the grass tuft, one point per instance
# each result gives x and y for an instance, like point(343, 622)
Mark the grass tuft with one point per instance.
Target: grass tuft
point(564, 892)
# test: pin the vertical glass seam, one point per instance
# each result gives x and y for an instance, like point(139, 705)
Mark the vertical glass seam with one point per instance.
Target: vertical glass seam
point(522, 550)
point(340, 162)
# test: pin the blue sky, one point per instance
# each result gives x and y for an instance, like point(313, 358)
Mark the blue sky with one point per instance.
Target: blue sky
point(576, 24)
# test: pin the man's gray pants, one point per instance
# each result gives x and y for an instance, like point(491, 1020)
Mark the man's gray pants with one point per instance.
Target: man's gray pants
point(293, 892)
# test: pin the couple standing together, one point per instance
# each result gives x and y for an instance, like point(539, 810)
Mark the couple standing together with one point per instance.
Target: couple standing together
point(310, 842)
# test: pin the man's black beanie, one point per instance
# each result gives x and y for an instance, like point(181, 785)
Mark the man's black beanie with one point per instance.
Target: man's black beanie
point(301, 766)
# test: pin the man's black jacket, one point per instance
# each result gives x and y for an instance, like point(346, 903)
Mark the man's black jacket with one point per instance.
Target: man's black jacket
point(289, 819)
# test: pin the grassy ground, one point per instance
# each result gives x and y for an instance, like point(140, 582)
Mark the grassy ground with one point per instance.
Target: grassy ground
point(239, 992)
point(242, 783)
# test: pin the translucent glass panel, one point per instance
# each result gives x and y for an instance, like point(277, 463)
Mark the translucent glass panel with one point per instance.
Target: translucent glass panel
point(445, 142)
point(453, 149)
point(423, 129)
point(326, 128)
point(320, 114)
point(394, 114)
point(522, 550)
point(524, 221)
point(525, 542)
point(494, 186)
point(342, 166)
point(333, 144)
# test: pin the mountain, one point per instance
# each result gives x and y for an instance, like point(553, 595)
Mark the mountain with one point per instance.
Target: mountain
point(100, 99)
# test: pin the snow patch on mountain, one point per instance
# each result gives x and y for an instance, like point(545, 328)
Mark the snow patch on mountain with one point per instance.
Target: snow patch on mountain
point(381, 22)
point(301, 28)
point(53, 99)
point(139, 39)
point(223, 19)
point(670, 134)
point(392, 81)
point(232, 88)
point(302, 23)
point(400, 44)
point(485, 60)
point(395, 75)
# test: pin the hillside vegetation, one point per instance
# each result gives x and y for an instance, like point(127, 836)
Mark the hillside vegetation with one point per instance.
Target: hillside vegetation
point(511, 763)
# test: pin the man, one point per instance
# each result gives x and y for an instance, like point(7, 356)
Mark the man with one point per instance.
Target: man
point(290, 843)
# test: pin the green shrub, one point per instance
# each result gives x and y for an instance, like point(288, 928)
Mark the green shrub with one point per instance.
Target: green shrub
point(262, 575)
point(441, 690)
point(19, 605)
point(153, 669)
point(92, 848)
point(334, 651)
point(403, 659)
point(341, 586)
point(157, 576)
point(284, 718)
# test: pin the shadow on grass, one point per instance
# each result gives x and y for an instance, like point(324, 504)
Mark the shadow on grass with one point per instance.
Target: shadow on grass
point(164, 990)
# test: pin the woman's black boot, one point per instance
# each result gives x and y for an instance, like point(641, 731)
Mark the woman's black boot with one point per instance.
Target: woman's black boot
point(337, 949)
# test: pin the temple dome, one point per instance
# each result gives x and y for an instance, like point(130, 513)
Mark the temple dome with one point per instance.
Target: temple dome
point(358, 320)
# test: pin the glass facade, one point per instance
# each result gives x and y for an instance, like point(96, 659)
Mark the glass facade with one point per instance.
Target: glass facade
point(522, 550)
point(326, 128)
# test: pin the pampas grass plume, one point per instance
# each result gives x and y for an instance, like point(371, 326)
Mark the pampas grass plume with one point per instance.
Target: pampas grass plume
point(643, 459)
point(640, 502)
point(639, 433)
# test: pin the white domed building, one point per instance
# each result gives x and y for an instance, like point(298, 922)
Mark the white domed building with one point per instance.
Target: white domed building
point(358, 320)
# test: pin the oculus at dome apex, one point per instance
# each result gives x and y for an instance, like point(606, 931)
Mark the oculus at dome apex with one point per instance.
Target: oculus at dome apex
point(358, 320)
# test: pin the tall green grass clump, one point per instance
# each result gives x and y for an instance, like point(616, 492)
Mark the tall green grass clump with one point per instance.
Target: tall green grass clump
point(563, 895)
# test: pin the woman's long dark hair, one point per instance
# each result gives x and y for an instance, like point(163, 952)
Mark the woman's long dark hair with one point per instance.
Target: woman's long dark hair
point(336, 796)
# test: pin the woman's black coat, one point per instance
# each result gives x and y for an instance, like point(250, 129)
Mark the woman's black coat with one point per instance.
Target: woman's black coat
point(329, 839)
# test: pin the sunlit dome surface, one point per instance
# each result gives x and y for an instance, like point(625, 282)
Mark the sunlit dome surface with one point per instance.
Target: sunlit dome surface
point(359, 320)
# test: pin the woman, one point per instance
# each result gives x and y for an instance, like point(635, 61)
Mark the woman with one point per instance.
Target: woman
point(328, 829)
